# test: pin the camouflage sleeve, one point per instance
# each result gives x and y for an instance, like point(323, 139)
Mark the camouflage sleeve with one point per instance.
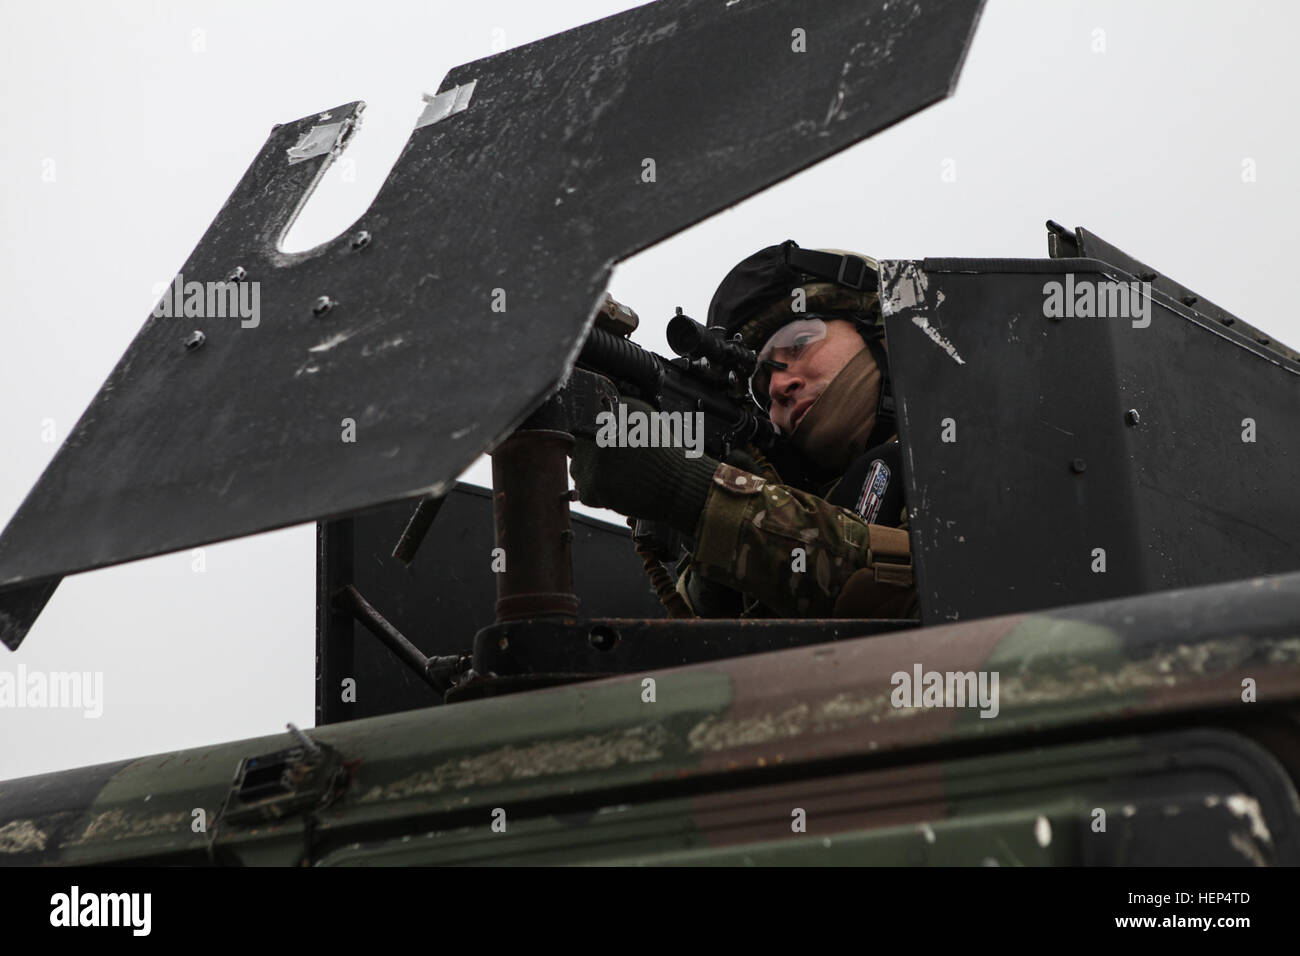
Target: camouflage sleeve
point(796, 552)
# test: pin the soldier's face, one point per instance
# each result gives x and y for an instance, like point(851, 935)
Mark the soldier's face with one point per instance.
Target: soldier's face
point(810, 369)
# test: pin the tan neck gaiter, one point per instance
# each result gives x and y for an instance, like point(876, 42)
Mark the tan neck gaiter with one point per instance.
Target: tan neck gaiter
point(835, 429)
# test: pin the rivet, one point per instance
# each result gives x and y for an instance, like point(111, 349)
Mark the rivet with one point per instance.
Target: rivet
point(361, 240)
point(195, 339)
point(602, 638)
point(1078, 466)
point(322, 305)
point(1132, 417)
point(1190, 299)
point(237, 274)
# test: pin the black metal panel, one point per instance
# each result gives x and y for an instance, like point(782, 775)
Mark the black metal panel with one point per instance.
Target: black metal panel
point(1047, 464)
point(1177, 296)
point(20, 607)
point(535, 188)
point(446, 596)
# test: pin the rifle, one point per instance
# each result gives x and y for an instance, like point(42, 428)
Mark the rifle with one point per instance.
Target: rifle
point(710, 375)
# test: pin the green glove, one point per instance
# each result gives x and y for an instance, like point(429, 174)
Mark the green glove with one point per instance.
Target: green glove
point(657, 484)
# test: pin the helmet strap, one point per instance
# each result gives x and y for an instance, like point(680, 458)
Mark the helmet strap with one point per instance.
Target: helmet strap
point(852, 272)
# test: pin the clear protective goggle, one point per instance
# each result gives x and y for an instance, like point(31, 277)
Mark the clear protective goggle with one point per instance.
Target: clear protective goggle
point(785, 346)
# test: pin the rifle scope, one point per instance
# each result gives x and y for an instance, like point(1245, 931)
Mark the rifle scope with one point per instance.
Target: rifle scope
point(691, 340)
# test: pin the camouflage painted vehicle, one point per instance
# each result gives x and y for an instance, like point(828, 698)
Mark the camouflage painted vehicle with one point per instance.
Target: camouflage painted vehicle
point(1121, 737)
point(1113, 677)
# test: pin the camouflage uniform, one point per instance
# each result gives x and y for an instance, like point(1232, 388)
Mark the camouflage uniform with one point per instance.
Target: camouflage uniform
point(747, 541)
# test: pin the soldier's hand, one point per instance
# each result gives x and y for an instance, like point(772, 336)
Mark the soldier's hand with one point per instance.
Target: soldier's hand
point(602, 478)
point(657, 484)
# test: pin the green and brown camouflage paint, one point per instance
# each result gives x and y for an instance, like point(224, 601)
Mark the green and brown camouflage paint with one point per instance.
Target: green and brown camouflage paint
point(1134, 708)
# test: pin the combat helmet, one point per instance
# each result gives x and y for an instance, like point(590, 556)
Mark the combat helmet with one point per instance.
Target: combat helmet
point(760, 295)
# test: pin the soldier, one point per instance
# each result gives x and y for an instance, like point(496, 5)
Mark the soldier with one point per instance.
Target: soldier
point(826, 534)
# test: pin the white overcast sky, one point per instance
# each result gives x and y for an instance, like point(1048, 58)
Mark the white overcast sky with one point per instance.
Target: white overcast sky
point(147, 133)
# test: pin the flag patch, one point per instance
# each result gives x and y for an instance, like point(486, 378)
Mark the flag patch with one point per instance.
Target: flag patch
point(873, 491)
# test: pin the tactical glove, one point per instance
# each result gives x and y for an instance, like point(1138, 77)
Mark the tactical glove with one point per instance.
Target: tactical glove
point(657, 484)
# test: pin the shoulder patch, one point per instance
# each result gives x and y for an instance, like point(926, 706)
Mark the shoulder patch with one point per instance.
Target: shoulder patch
point(872, 494)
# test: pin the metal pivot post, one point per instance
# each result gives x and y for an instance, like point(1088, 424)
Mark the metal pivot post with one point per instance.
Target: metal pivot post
point(530, 507)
